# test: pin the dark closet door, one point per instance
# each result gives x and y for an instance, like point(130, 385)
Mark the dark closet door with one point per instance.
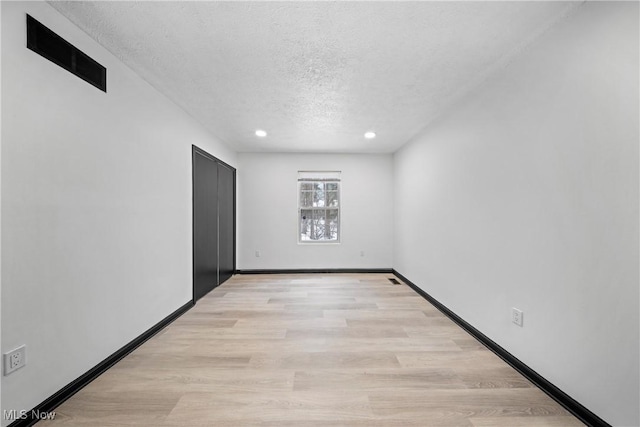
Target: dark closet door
point(205, 223)
point(226, 221)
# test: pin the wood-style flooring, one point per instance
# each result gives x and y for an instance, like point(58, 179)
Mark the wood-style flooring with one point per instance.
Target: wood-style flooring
point(312, 350)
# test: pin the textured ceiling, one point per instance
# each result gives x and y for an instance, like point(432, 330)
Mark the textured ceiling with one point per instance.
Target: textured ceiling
point(314, 75)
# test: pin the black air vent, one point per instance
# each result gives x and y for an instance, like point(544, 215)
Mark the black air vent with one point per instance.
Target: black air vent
point(394, 281)
point(46, 43)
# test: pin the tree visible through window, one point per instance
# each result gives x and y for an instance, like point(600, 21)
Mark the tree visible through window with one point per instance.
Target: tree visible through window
point(319, 206)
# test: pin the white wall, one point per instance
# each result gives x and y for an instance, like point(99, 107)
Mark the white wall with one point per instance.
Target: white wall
point(526, 196)
point(268, 215)
point(96, 208)
point(0, 203)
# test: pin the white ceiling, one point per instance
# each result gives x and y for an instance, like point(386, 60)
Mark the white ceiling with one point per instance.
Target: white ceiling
point(314, 75)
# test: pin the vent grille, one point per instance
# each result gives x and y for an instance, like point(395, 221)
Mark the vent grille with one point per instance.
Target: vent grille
point(394, 281)
point(51, 46)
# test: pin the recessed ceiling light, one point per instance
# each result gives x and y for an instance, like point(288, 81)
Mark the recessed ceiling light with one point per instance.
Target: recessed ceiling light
point(261, 133)
point(370, 135)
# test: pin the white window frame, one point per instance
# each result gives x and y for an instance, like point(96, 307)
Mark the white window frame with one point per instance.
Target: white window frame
point(314, 177)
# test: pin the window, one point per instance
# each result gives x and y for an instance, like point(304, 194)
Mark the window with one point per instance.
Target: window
point(319, 207)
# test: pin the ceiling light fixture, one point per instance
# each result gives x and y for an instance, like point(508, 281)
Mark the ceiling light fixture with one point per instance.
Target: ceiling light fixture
point(261, 133)
point(370, 135)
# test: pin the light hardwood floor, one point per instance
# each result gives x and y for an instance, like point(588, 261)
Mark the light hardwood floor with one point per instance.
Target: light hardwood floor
point(319, 350)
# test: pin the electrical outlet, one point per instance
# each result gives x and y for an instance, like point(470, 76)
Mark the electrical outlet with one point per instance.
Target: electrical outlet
point(15, 359)
point(517, 316)
point(257, 254)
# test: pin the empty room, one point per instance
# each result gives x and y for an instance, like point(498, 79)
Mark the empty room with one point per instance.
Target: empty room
point(310, 213)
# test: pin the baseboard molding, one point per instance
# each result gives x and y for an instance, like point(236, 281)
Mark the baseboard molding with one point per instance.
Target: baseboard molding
point(76, 385)
point(570, 404)
point(317, 271)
